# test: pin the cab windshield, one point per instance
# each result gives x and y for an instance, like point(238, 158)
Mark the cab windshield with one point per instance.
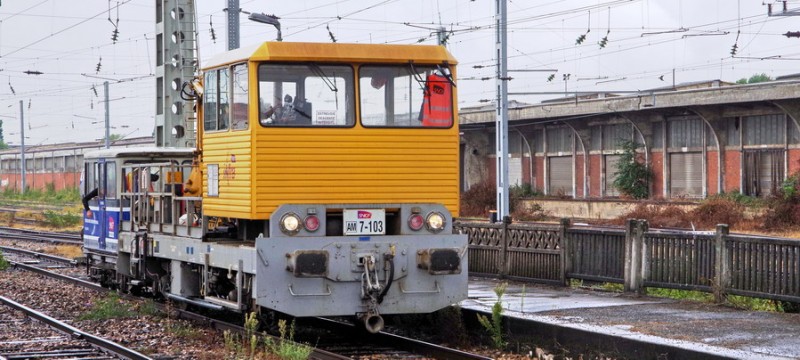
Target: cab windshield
point(305, 95)
point(406, 96)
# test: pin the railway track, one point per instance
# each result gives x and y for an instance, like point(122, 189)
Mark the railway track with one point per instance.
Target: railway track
point(50, 338)
point(340, 340)
point(40, 236)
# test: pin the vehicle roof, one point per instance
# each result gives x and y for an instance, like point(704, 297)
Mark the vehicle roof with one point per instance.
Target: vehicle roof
point(144, 151)
point(338, 52)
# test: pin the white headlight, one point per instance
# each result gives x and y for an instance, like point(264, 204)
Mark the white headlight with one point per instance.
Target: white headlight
point(290, 224)
point(435, 221)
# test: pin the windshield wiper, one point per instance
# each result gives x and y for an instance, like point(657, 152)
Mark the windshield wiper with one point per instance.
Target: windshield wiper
point(318, 71)
point(331, 84)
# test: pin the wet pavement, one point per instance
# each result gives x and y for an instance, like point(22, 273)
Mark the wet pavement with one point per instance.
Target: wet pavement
point(699, 328)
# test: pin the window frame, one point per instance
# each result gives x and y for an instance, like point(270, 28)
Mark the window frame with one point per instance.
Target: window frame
point(406, 65)
point(229, 93)
point(352, 95)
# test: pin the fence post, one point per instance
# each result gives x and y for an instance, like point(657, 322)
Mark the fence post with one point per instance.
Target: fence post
point(504, 249)
point(634, 240)
point(721, 268)
point(641, 248)
point(566, 250)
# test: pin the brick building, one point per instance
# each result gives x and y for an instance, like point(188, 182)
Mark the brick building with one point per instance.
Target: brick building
point(700, 139)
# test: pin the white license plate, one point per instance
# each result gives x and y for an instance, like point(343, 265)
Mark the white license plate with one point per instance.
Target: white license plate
point(365, 222)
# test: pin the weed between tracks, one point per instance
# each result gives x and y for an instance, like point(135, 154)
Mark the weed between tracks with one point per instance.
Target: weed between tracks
point(495, 325)
point(3, 262)
point(247, 346)
point(61, 219)
point(109, 307)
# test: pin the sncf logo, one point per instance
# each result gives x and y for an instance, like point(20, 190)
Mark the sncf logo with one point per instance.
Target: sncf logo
point(364, 215)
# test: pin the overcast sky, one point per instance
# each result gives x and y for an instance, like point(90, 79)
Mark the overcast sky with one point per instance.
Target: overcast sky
point(646, 41)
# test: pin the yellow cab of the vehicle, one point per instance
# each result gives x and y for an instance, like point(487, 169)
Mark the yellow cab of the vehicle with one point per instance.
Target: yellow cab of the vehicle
point(299, 123)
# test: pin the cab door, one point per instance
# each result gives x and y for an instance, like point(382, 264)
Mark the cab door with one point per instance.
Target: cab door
point(110, 207)
point(93, 224)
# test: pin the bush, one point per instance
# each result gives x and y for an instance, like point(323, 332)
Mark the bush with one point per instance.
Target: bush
point(718, 210)
point(479, 199)
point(783, 208)
point(632, 177)
point(482, 197)
point(658, 216)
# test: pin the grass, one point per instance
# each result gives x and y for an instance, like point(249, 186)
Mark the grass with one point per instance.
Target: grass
point(48, 196)
point(61, 220)
point(68, 251)
point(184, 331)
point(108, 307)
point(3, 262)
point(681, 294)
point(286, 348)
point(148, 308)
point(739, 302)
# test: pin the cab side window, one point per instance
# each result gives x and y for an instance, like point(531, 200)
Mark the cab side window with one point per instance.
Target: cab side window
point(240, 92)
point(111, 180)
point(210, 108)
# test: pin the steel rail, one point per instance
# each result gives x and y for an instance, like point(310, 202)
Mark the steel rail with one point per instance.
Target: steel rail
point(401, 342)
point(43, 236)
point(96, 341)
point(183, 314)
point(76, 281)
point(39, 255)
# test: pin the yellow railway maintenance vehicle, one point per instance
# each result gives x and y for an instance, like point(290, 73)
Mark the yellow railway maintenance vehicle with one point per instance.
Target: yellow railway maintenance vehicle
point(325, 183)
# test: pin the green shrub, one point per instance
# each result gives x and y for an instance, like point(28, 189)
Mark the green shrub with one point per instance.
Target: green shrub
point(632, 177)
point(783, 208)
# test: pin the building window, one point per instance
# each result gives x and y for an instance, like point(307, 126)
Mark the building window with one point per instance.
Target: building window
point(559, 140)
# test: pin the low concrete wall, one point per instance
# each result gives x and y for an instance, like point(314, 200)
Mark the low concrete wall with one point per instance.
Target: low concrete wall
point(595, 209)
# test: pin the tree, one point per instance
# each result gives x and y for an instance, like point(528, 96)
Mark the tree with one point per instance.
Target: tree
point(632, 177)
point(756, 78)
point(3, 144)
point(114, 137)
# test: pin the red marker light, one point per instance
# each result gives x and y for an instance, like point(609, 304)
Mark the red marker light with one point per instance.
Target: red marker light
point(415, 222)
point(311, 223)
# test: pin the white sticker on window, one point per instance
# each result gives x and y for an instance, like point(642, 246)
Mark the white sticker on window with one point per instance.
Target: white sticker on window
point(325, 117)
point(213, 180)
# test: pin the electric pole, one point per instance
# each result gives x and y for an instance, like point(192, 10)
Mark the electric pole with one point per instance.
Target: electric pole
point(501, 127)
point(24, 169)
point(108, 135)
point(233, 24)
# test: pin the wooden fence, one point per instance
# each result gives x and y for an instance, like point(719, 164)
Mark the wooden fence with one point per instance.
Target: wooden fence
point(638, 257)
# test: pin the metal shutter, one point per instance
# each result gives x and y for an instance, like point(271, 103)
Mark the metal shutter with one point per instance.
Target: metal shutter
point(611, 162)
point(686, 175)
point(514, 171)
point(560, 176)
point(763, 171)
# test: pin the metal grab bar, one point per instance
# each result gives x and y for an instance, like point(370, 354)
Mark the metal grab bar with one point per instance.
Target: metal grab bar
point(291, 291)
point(438, 290)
